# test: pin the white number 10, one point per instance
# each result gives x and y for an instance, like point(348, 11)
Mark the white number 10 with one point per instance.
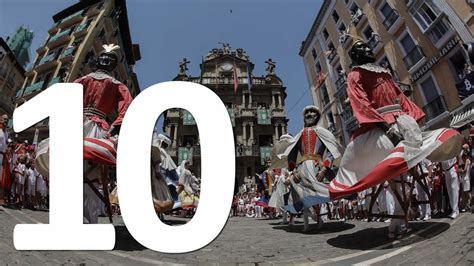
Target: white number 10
point(63, 104)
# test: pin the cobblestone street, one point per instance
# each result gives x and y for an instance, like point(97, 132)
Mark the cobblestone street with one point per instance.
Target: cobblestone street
point(250, 241)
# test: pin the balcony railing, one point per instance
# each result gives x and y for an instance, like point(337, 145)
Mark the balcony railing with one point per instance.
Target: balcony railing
point(435, 107)
point(227, 80)
point(33, 88)
point(81, 27)
point(414, 56)
point(391, 19)
point(340, 82)
point(59, 35)
point(243, 151)
point(47, 59)
point(69, 51)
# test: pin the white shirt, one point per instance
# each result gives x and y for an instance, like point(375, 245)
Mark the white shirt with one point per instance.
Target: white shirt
point(31, 177)
point(3, 140)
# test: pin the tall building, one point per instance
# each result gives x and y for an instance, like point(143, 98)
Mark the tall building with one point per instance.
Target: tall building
point(421, 42)
point(12, 75)
point(74, 40)
point(20, 44)
point(256, 106)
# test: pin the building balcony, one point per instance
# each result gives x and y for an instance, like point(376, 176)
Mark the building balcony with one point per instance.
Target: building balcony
point(54, 28)
point(70, 20)
point(375, 42)
point(393, 22)
point(35, 87)
point(278, 113)
point(59, 38)
point(247, 151)
point(81, 29)
point(227, 80)
point(358, 17)
point(46, 59)
point(68, 54)
point(435, 108)
point(247, 113)
point(46, 62)
point(413, 57)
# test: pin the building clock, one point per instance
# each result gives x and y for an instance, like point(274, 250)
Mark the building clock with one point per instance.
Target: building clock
point(226, 66)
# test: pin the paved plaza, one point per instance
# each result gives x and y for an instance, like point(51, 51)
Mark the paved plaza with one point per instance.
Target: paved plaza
point(251, 241)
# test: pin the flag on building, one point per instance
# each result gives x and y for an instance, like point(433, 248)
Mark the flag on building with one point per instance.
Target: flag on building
point(249, 74)
point(236, 82)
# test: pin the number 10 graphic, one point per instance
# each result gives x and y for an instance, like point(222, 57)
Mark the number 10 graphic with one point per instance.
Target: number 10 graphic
point(63, 104)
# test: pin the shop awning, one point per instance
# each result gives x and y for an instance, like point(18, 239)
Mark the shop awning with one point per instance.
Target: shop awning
point(464, 115)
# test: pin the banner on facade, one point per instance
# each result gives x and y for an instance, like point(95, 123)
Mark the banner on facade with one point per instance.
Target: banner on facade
point(231, 112)
point(264, 117)
point(188, 118)
point(185, 154)
point(265, 154)
point(466, 86)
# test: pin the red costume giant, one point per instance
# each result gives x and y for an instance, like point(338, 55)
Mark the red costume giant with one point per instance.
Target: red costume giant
point(371, 157)
point(102, 94)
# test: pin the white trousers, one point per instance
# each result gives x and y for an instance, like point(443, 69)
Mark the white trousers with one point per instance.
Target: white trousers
point(422, 196)
point(452, 185)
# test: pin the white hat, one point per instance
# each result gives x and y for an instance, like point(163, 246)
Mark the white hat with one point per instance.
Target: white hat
point(311, 107)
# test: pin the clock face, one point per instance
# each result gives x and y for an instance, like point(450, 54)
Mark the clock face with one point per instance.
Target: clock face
point(226, 66)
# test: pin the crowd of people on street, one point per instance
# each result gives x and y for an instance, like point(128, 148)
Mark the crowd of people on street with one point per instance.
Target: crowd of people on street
point(21, 186)
point(252, 200)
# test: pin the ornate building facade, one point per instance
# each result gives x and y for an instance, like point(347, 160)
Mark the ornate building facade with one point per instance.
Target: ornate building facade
point(421, 42)
point(73, 41)
point(256, 107)
point(12, 75)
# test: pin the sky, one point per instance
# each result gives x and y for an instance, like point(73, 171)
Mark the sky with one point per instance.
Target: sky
point(168, 30)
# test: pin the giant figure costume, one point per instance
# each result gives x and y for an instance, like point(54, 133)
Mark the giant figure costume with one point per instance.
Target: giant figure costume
point(163, 170)
point(102, 95)
point(311, 152)
point(389, 141)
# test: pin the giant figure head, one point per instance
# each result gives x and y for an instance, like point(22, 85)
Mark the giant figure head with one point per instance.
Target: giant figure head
point(311, 115)
point(361, 53)
point(108, 58)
